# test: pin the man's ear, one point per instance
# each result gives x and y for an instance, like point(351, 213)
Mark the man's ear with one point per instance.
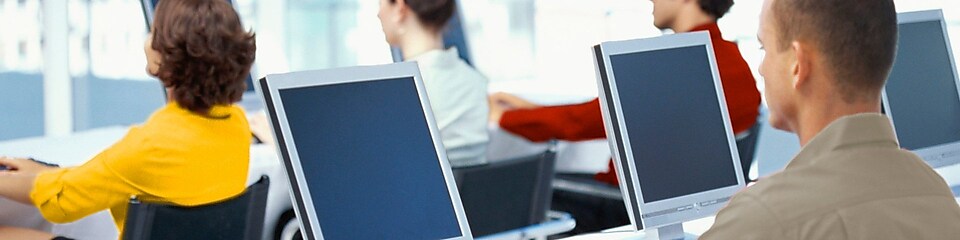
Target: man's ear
point(801, 64)
point(400, 9)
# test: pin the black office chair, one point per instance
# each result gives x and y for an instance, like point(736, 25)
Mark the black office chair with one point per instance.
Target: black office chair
point(507, 195)
point(595, 205)
point(747, 147)
point(238, 218)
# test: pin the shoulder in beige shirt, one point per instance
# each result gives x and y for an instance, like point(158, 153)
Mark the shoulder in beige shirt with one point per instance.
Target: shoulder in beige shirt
point(851, 181)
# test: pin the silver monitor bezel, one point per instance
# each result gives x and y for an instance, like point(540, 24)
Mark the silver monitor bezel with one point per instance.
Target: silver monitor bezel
point(948, 153)
point(148, 11)
point(725, 193)
point(269, 88)
point(625, 181)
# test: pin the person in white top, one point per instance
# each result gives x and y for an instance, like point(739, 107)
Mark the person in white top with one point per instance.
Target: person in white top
point(457, 92)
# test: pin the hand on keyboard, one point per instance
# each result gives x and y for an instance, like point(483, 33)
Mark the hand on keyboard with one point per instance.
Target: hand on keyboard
point(4, 166)
point(25, 165)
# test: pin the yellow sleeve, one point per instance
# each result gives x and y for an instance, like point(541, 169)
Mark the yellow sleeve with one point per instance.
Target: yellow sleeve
point(68, 194)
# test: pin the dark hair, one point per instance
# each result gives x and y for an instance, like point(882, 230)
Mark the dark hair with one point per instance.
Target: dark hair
point(716, 8)
point(858, 38)
point(206, 54)
point(432, 13)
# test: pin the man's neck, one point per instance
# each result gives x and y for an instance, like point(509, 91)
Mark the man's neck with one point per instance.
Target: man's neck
point(816, 117)
point(689, 20)
point(420, 40)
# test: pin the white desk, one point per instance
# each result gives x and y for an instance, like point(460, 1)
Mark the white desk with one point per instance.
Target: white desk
point(586, 157)
point(695, 227)
point(950, 174)
point(77, 148)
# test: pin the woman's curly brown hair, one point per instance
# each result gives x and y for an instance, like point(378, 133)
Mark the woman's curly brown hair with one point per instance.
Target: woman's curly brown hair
point(205, 52)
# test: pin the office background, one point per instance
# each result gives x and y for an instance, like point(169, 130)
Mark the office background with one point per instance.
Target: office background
point(516, 43)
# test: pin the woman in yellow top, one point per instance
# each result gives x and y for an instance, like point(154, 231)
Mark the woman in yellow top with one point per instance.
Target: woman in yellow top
point(193, 151)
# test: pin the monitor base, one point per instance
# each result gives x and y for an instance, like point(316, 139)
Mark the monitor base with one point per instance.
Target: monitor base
point(669, 232)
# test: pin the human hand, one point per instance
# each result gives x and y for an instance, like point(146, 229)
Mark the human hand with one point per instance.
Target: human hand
point(23, 165)
point(23, 233)
point(496, 113)
point(502, 102)
point(509, 101)
point(260, 126)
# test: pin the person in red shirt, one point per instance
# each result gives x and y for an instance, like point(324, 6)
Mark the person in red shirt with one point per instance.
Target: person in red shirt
point(584, 121)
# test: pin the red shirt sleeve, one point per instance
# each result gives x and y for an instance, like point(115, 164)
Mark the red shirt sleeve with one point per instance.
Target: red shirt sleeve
point(568, 122)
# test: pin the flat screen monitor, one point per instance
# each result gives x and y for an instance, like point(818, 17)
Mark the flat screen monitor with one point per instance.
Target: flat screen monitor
point(663, 106)
point(249, 97)
point(921, 95)
point(363, 154)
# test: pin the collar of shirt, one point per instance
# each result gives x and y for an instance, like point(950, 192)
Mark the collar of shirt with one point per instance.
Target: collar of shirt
point(216, 111)
point(712, 28)
point(436, 57)
point(865, 129)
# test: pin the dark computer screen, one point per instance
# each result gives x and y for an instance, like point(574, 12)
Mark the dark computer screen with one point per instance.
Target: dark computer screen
point(369, 161)
point(921, 90)
point(674, 122)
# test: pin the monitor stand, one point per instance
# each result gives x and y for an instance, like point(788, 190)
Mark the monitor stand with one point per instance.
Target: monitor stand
point(669, 232)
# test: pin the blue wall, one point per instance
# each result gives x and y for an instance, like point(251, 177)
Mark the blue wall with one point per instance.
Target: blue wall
point(97, 103)
point(108, 102)
point(21, 105)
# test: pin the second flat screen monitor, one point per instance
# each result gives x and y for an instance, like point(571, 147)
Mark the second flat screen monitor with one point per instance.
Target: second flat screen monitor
point(365, 162)
point(670, 122)
point(362, 144)
point(665, 116)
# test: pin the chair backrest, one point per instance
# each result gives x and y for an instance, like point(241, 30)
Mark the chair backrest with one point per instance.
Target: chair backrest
point(237, 218)
point(509, 194)
point(747, 148)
